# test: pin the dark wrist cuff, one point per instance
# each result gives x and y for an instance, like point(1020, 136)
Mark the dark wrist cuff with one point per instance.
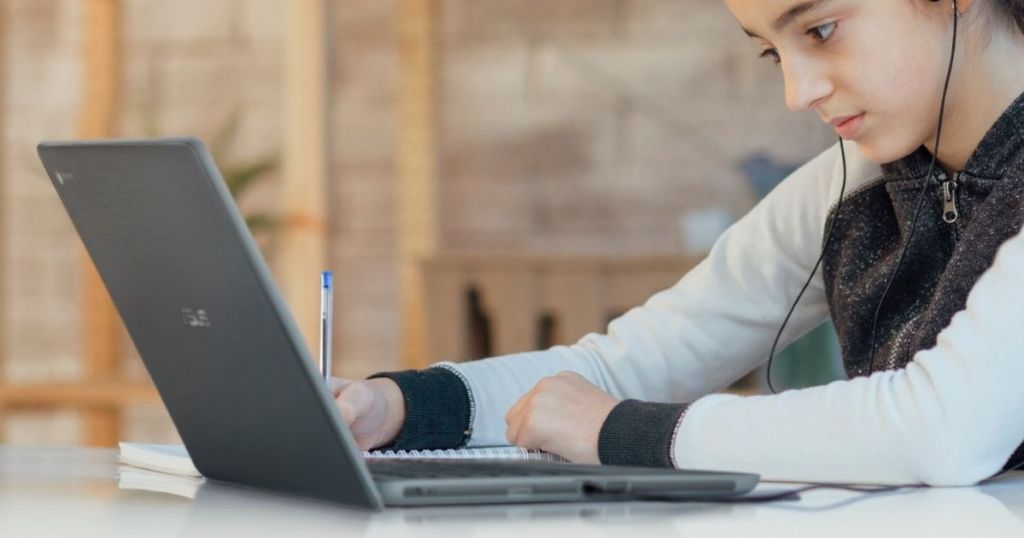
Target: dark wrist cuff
point(639, 433)
point(437, 409)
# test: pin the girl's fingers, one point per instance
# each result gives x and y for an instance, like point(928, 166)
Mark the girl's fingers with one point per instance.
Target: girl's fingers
point(515, 433)
point(514, 419)
point(336, 384)
point(348, 412)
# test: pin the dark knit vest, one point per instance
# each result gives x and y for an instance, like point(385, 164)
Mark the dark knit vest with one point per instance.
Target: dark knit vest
point(963, 221)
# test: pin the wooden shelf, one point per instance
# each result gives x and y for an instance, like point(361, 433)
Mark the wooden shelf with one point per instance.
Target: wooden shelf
point(95, 395)
point(485, 304)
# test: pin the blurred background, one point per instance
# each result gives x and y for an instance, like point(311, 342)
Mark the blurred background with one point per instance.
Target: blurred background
point(483, 176)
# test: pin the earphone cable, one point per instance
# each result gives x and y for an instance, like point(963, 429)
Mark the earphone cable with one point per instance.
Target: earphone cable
point(824, 249)
point(787, 495)
point(913, 226)
point(921, 197)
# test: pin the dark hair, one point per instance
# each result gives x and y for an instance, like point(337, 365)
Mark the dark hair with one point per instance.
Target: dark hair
point(1013, 10)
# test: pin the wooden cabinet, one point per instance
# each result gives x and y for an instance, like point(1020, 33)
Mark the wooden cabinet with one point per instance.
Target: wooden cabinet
point(481, 305)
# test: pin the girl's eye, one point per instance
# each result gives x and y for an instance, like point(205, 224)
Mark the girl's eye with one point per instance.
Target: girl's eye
point(774, 54)
point(823, 32)
point(819, 33)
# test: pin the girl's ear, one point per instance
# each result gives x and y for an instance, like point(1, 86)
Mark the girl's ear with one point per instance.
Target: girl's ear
point(964, 5)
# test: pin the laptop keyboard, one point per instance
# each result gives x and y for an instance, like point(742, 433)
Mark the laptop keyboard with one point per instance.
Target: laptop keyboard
point(476, 469)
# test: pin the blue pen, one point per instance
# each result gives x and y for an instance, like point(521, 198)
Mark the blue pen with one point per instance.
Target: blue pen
point(326, 318)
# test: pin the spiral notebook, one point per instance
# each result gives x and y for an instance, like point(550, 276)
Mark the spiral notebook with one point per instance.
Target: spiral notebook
point(481, 453)
point(174, 459)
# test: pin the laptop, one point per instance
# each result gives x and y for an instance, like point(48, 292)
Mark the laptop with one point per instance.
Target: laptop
point(232, 368)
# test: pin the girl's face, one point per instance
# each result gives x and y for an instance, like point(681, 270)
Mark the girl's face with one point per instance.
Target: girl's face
point(882, 60)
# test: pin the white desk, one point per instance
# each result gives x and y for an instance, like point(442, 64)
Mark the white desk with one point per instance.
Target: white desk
point(74, 492)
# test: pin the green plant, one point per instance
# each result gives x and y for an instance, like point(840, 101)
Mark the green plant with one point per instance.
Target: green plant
point(239, 177)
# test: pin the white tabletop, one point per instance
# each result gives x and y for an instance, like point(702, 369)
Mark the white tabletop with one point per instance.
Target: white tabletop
point(49, 491)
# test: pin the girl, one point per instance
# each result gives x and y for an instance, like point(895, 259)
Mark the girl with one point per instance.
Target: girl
point(914, 219)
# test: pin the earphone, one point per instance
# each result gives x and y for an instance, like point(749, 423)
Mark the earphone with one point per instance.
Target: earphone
point(913, 226)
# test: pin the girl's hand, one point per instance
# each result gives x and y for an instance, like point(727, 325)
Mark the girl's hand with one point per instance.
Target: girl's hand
point(562, 414)
point(373, 409)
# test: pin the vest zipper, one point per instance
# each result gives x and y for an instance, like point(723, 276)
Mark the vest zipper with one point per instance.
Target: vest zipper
point(950, 211)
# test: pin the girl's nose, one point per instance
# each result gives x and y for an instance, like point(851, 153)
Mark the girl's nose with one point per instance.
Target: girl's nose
point(806, 84)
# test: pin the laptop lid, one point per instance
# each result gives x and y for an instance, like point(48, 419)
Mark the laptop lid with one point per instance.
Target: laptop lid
point(200, 305)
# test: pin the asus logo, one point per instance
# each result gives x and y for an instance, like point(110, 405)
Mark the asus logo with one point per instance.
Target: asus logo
point(195, 318)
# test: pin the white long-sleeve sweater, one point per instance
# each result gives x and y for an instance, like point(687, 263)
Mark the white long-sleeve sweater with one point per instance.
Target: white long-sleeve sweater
point(952, 416)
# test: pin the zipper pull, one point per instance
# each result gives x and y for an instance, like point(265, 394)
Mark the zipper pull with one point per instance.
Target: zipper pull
point(950, 212)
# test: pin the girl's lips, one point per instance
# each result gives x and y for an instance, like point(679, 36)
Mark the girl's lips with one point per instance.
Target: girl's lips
point(850, 126)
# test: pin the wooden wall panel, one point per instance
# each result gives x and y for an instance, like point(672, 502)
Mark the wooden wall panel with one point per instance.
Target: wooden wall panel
point(101, 325)
point(3, 206)
point(303, 247)
point(418, 234)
